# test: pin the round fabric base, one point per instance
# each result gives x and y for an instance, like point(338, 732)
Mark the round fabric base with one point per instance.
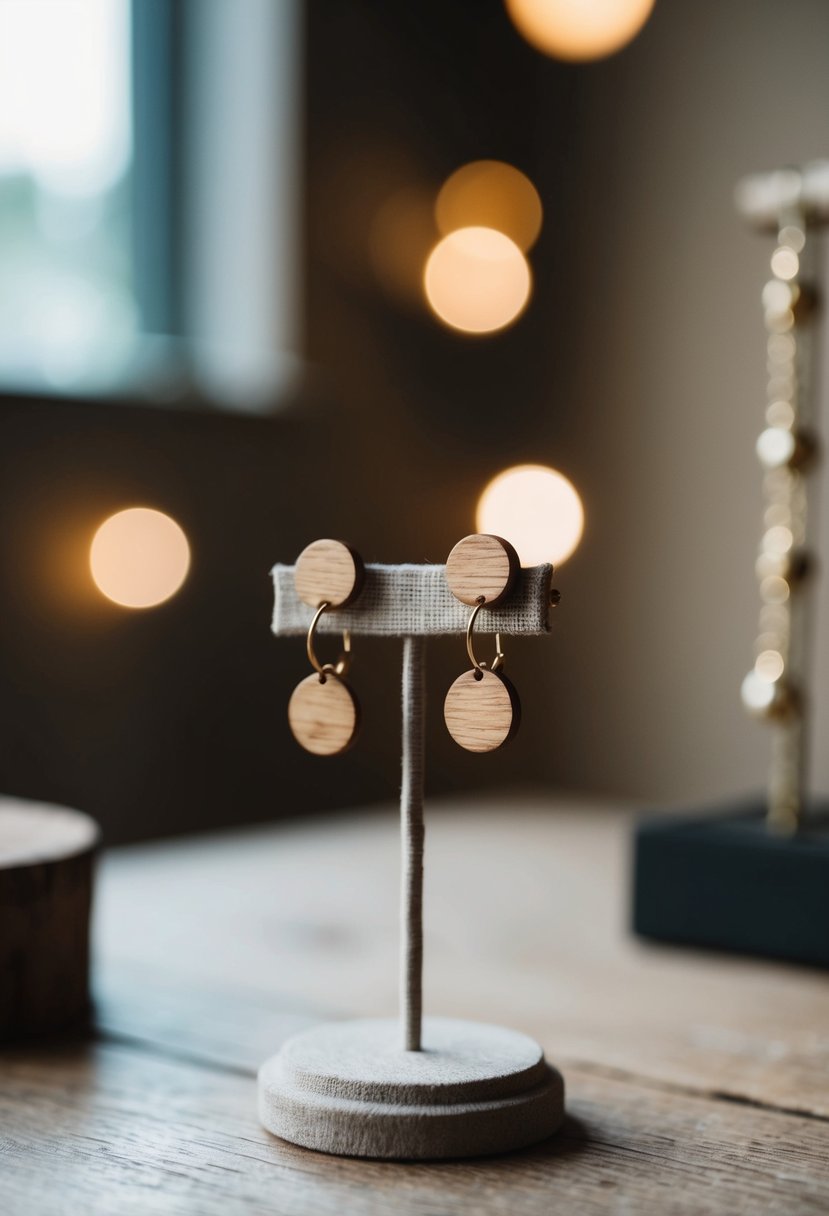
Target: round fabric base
point(349, 1088)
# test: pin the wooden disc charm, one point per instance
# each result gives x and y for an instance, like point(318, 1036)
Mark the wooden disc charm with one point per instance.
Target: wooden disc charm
point(324, 715)
point(328, 572)
point(482, 710)
point(482, 569)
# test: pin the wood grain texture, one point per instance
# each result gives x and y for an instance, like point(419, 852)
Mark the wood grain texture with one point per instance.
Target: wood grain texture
point(527, 927)
point(415, 601)
point(105, 1129)
point(328, 571)
point(324, 715)
point(46, 864)
point(482, 711)
point(696, 1084)
point(482, 566)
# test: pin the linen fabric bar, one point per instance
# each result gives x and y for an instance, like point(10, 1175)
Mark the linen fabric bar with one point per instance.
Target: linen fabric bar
point(415, 601)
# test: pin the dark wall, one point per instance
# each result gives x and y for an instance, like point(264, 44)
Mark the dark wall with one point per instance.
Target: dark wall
point(174, 718)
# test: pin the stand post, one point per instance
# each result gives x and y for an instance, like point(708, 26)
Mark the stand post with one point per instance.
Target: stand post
point(411, 844)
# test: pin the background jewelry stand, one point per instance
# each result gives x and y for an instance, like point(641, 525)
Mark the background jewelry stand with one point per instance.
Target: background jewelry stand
point(412, 1088)
point(755, 877)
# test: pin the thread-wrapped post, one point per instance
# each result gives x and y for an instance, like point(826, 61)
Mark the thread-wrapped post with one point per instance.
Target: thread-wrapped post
point(412, 834)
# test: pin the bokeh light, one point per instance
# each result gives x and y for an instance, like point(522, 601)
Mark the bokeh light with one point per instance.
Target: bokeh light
point(139, 557)
point(490, 194)
point(579, 29)
point(758, 694)
point(785, 263)
point(477, 280)
point(537, 509)
point(775, 447)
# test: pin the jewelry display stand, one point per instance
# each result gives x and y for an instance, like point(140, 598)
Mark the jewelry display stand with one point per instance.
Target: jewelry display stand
point(754, 877)
point(413, 1088)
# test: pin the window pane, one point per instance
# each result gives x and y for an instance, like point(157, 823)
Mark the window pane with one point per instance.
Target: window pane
point(67, 311)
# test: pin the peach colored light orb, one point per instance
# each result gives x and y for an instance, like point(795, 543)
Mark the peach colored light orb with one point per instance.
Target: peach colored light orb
point(139, 557)
point(537, 509)
point(579, 29)
point(490, 194)
point(477, 280)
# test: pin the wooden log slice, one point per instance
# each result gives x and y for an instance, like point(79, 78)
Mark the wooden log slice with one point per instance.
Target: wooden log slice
point(46, 866)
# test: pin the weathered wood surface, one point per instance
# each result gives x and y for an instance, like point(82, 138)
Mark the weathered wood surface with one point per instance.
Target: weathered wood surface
point(103, 1129)
point(696, 1084)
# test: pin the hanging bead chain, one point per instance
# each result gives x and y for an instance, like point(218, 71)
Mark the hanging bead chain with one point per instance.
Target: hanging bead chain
point(774, 690)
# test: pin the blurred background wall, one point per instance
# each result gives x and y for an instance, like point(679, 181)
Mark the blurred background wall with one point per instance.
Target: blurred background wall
point(638, 370)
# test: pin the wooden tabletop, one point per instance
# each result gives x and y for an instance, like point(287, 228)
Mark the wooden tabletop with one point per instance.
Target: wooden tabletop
point(696, 1083)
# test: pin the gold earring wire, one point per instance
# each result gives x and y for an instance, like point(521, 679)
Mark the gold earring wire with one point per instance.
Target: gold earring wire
point(340, 668)
point(499, 654)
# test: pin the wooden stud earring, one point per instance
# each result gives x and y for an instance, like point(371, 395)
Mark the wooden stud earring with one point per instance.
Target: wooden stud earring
point(323, 712)
point(482, 710)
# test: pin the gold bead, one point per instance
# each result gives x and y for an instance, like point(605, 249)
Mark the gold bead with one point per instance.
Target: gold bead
point(778, 447)
point(779, 321)
point(768, 700)
point(785, 263)
point(780, 413)
point(774, 589)
point(793, 236)
point(777, 296)
point(806, 302)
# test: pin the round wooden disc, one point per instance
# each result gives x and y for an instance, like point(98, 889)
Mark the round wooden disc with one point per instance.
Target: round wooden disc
point(349, 1088)
point(328, 571)
point(482, 714)
point(324, 715)
point(481, 565)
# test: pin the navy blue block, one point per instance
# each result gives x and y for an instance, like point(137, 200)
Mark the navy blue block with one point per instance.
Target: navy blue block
point(722, 880)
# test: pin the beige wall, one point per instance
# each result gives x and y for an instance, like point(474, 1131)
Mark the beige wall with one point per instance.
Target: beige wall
point(657, 626)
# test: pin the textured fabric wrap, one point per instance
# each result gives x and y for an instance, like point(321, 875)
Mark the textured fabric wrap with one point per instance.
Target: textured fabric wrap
point(409, 600)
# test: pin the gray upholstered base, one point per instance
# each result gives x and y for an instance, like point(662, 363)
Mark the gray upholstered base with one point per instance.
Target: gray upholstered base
point(348, 1088)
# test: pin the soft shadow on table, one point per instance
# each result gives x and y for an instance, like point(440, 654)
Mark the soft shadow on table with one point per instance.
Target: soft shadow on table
point(570, 1140)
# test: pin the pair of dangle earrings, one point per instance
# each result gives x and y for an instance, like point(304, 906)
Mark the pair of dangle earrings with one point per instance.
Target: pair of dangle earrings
point(323, 712)
point(482, 710)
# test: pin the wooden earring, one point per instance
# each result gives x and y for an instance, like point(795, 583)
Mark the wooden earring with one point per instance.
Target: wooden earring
point(323, 712)
point(482, 710)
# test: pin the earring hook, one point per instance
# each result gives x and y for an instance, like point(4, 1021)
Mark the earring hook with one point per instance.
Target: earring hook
point(342, 665)
point(499, 654)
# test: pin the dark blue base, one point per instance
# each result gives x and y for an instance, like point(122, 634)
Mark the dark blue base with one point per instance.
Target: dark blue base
point(722, 880)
